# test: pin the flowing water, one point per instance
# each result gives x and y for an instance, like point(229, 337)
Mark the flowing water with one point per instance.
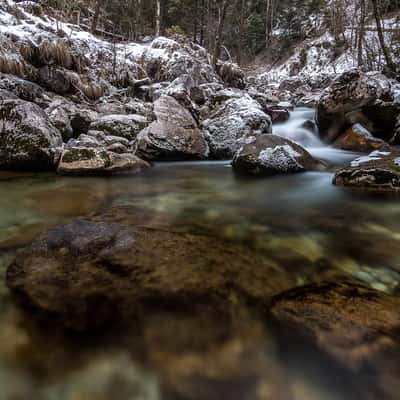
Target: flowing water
point(308, 226)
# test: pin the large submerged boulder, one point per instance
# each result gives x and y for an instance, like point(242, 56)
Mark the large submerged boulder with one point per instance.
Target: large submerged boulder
point(91, 272)
point(378, 171)
point(174, 135)
point(270, 155)
point(27, 138)
point(370, 99)
point(355, 325)
point(228, 128)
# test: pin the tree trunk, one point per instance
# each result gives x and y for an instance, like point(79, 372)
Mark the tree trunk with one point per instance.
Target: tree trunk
point(202, 13)
point(241, 32)
point(158, 17)
point(385, 50)
point(268, 23)
point(195, 20)
point(223, 9)
point(96, 15)
point(361, 33)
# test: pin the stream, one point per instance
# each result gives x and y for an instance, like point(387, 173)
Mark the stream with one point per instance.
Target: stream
point(302, 221)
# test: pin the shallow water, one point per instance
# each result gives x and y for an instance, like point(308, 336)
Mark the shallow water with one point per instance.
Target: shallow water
point(309, 227)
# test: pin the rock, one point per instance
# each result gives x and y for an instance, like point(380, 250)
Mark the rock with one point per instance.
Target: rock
point(23, 89)
point(357, 97)
point(93, 272)
point(357, 326)
point(231, 124)
point(357, 138)
point(270, 155)
point(126, 126)
point(88, 156)
point(56, 80)
point(27, 139)
point(60, 119)
point(278, 114)
point(174, 135)
point(378, 171)
point(7, 95)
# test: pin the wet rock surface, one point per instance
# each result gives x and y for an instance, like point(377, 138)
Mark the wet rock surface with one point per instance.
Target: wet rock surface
point(28, 140)
point(357, 326)
point(90, 272)
point(379, 171)
point(271, 155)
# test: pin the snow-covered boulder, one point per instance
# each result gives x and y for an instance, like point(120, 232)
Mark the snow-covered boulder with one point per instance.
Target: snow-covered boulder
point(21, 88)
point(378, 171)
point(127, 126)
point(174, 135)
point(358, 138)
point(230, 126)
point(357, 97)
point(28, 140)
point(271, 155)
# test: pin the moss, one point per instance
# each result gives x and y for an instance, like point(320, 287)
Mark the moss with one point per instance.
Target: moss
point(78, 154)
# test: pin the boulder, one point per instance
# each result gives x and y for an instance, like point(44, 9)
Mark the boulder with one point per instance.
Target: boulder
point(270, 154)
point(355, 325)
point(379, 171)
point(21, 88)
point(55, 80)
point(357, 97)
point(28, 140)
point(106, 269)
point(174, 135)
point(88, 155)
point(228, 128)
point(357, 138)
point(127, 126)
point(7, 95)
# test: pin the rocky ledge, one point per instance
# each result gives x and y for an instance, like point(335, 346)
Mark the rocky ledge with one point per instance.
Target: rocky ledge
point(380, 171)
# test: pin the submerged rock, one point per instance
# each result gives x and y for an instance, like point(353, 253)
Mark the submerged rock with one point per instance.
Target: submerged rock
point(378, 171)
point(91, 272)
point(357, 138)
point(174, 135)
point(228, 128)
point(357, 326)
point(270, 155)
point(27, 139)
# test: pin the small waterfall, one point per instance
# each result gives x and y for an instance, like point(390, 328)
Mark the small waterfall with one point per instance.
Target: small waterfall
point(302, 129)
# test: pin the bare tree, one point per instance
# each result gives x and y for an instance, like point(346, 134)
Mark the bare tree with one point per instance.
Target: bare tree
point(385, 50)
point(97, 10)
point(158, 17)
point(241, 31)
point(222, 12)
point(269, 21)
point(361, 33)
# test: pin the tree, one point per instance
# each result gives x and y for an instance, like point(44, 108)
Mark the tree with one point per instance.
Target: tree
point(222, 12)
point(241, 31)
point(97, 10)
point(361, 33)
point(385, 50)
point(158, 17)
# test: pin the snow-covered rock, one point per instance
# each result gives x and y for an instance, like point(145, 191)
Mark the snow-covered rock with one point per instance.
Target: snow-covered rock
point(230, 126)
point(271, 155)
point(357, 97)
point(173, 135)
point(28, 140)
point(380, 171)
point(127, 126)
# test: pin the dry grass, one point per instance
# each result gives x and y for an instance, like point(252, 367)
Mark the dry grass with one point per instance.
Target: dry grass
point(12, 66)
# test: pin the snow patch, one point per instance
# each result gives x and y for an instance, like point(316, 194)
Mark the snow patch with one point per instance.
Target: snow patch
point(374, 156)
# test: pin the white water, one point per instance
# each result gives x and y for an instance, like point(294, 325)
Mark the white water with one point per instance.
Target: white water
point(296, 129)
